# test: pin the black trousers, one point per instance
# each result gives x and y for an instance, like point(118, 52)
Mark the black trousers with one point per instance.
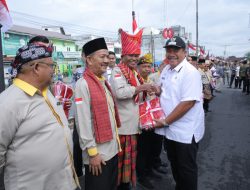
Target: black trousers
point(206, 104)
point(244, 84)
point(248, 85)
point(156, 150)
point(144, 153)
point(232, 80)
point(237, 82)
point(77, 153)
point(241, 81)
point(183, 164)
point(106, 180)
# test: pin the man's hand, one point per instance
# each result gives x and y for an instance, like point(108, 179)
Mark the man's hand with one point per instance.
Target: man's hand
point(149, 88)
point(67, 104)
point(95, 164)
point(157, 90)
point(159, 123)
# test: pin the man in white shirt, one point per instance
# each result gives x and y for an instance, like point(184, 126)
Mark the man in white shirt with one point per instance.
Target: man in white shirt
point(181, 100)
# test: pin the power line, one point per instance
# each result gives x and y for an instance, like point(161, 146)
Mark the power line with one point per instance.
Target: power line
point(184, 12)
point(30, 19)
point(221, 44)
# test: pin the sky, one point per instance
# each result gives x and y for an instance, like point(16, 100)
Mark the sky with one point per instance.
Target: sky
point(224, 25)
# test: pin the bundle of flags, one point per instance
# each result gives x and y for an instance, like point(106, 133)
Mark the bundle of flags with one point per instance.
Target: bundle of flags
point(5, 18)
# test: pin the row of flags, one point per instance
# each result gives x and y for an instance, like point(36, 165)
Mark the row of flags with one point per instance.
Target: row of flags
point(5, 18)
point(167, 33)
point(193, 47)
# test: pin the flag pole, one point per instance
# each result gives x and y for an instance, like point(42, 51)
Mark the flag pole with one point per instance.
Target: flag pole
point(2, 83)
point(197, 35)
point(133, 15)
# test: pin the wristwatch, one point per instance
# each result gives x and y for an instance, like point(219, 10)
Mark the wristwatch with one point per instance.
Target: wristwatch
point(165, 123)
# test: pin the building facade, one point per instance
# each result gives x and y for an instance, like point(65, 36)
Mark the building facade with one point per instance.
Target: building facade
point(65, 53)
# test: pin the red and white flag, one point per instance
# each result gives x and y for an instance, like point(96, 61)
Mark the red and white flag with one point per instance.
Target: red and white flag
point(78, 101)
point(5, 18)
point(134, 24)
point(202, 51)
point(191, 46)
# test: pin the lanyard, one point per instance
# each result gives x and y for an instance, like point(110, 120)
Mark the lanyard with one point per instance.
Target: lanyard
point(66, 141)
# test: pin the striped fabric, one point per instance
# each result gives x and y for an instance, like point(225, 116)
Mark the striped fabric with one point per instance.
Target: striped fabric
point(131, 44)
point(130, 76)
point(127, 159)
point(99, 107)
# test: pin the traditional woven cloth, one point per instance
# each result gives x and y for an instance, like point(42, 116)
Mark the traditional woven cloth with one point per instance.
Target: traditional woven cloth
point(127, 159)
point(99, 106)
point(129, 75)
point(131, 44)
point(30, 52)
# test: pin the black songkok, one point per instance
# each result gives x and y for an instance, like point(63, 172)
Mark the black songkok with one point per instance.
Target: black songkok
point(93, 46)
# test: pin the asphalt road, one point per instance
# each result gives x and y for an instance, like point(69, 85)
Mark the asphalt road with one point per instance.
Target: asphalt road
point(224, 157)
point(224, 152)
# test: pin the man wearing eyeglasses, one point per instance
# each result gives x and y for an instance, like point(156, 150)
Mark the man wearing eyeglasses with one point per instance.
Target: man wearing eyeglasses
point(35, 140)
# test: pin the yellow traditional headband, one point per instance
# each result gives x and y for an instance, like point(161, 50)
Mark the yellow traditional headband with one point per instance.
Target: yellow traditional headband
point(147, 58)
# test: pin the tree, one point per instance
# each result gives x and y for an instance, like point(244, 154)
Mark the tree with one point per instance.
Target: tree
point(248, 55)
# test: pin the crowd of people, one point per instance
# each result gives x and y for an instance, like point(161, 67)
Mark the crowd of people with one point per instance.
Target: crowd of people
point(37, 150)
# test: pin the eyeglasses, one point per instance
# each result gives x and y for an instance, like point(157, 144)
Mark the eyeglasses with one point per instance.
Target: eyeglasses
point(52, 66)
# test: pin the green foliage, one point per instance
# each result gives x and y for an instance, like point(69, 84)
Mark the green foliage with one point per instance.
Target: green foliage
point(248, 55)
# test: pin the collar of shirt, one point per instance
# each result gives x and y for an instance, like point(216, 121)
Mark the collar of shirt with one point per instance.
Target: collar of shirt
point(179, 66)
point(28, 88)
point(101, 78)
point(146, 80)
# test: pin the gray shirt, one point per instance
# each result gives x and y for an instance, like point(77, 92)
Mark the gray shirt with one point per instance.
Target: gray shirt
point(128, 109)
point(33, 151)
point(85, 125)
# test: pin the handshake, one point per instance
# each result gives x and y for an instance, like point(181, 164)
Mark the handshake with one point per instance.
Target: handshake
point(151, 89)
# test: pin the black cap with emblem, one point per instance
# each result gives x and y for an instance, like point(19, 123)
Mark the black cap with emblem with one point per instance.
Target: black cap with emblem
point(176, 41)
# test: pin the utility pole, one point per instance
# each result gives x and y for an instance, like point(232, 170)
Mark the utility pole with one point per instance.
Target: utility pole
point(197, 34)
point(133, 15)
point(2, 83)
point(152, 46)
point(249, 24)
point(225, 50)
point(249, 21)
point(165, 13)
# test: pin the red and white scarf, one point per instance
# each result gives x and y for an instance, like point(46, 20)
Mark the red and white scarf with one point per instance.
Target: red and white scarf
point(99, 108)
point(129, 75)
